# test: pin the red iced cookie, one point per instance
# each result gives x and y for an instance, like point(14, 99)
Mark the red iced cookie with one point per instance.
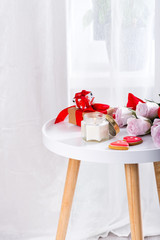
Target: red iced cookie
point(119, 145)
point(133, 140)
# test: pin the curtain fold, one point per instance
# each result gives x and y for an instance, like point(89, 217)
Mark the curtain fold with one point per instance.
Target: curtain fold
point(33, 89)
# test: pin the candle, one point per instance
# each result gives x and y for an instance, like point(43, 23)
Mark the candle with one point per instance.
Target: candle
point(94, 127)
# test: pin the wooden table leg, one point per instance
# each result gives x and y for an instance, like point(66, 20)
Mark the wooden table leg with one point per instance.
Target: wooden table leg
point(157, 174)
point(133, 192)
point(69, 189)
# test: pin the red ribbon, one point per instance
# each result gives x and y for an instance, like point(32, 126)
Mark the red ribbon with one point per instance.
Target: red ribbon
point(83, 93)
point(82, 100)
point(62, 115)
point(133, 101)
point(93, 108)
point(159, 112)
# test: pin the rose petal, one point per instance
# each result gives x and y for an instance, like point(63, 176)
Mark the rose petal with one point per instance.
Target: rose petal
point(155, 132)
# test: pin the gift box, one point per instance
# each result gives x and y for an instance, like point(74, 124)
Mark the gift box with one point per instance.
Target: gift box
point(84, 104)
point(76, 114)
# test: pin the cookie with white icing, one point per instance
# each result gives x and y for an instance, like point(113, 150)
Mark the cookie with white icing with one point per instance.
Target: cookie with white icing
point(133, 140)
point(119, 145)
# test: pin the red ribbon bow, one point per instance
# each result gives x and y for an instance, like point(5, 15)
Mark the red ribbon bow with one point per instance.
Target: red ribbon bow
point(83, 100)
point(84, 104)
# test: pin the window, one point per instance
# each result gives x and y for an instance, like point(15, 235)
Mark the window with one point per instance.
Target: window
point(111, 41)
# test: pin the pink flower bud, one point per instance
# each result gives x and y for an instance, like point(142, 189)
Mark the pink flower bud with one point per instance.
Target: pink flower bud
point(122, 115)
point(148, 110)
point(155, 132)
point(138, 126)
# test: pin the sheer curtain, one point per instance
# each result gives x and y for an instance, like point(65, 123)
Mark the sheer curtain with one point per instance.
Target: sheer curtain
point(33, 88)
point(111, 48)
point(32, 73)
point(111, 51)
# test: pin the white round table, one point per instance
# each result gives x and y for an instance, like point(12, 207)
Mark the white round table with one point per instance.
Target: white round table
point(65, 139)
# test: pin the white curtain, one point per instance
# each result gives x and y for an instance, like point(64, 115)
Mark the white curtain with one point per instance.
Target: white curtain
point(111, 48)
point(111, 51)
point(33, 89)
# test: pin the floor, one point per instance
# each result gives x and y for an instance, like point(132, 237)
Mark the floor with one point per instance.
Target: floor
point(110, 237)
point(113, 237)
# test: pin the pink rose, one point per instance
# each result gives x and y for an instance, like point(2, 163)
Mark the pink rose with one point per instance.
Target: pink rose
point(155, 132)
point(148, 110)
point(156, 122)
point(122, 115)
point(138, 126)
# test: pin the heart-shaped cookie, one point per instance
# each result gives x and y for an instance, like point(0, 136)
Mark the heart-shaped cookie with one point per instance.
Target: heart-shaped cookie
point(119, 145)
point(133, 140)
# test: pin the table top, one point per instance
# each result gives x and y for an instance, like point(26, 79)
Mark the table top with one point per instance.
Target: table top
point(65, 139)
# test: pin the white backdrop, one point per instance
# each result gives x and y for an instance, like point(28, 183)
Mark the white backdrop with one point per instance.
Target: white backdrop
point(33, 88)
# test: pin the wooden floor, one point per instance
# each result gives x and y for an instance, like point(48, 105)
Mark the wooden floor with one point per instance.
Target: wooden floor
point(113, 237)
